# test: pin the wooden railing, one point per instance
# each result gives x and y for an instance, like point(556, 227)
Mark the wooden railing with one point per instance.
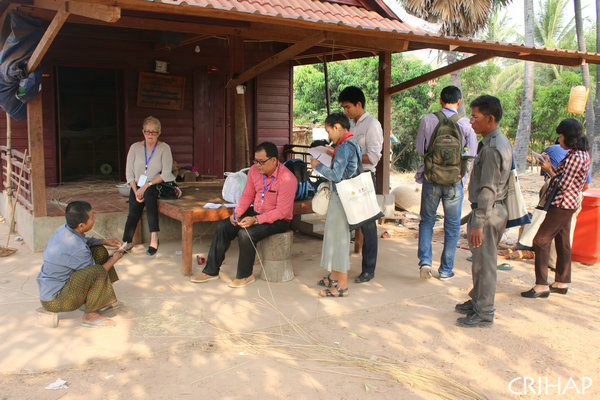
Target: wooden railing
point(20, 168)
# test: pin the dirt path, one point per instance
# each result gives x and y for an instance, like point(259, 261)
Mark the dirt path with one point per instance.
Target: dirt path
point(554, 338)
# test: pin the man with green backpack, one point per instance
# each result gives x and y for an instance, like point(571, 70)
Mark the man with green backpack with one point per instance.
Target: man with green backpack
point(446, 141)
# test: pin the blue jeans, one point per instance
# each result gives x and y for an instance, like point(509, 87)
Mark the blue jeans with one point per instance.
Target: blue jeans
point(452, 198)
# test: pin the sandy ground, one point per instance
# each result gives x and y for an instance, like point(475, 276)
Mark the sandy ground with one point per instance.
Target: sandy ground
point(395, 320)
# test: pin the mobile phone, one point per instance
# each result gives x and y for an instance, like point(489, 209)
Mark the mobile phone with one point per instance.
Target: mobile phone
point(538, 156)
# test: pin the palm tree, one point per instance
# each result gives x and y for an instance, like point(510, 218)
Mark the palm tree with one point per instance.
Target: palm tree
point(585, 69)
point(457, 18)
point(551, 30)
point(524, 127)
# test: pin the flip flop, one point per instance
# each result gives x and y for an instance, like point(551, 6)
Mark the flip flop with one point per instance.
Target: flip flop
point(504, 267)
point(110, 308)
point(97, 324)
point(469, 258)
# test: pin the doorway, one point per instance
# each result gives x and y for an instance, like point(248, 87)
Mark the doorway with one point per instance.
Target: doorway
point(88, 124)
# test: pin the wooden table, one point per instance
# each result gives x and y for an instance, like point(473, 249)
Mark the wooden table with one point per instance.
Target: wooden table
point(190, 209)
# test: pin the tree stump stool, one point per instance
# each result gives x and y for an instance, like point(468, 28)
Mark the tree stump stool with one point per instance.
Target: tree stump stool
point(276, 254)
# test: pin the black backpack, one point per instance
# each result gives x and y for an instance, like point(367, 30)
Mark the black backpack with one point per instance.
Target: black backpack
point(298, 168)
point(443, 159)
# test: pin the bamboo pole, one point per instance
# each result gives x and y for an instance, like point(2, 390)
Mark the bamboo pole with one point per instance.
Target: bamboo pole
point(14, 205)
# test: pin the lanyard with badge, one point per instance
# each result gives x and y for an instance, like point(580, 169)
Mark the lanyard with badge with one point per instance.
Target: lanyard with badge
point(264, 188)
point(144, 177)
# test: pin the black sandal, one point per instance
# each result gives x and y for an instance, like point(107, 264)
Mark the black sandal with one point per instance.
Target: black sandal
point(340, 292)
point(332, 282)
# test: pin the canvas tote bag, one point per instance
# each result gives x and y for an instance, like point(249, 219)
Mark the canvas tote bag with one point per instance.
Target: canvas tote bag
point(538, 216)
point(515, 204)
point(358, 198)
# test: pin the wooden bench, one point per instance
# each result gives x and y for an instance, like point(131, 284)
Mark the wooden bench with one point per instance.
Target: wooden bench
point(190, 209)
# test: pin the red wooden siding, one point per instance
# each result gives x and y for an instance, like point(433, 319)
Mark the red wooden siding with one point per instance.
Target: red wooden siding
point(273, 106)
point(205, 109)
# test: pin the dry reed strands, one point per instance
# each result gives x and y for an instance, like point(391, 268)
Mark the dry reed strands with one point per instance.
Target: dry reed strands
point(304, 346)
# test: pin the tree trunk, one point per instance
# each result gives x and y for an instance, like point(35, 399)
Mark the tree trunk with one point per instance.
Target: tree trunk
point(590, 120)
point(524, 128)
point(451, 58)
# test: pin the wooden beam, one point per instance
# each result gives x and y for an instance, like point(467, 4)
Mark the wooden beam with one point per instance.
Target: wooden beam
point(51, 32)
point(278, 58)
point(476, 59)
point(97, 11)
point(382, 177)
point(35, 131)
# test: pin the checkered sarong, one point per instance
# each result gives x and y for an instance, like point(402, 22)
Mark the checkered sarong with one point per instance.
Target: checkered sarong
point(91, 286)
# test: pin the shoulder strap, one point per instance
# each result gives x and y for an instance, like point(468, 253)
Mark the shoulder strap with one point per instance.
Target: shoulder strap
point(359, 161)
point(441, 118)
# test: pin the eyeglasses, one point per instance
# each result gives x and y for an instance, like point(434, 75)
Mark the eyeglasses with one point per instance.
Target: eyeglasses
point(153, 133)
point(261, 162)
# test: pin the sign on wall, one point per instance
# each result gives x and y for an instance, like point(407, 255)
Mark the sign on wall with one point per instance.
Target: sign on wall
point(160, 91)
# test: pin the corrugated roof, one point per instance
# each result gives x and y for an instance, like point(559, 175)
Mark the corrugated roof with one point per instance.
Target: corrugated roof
point(306, 10)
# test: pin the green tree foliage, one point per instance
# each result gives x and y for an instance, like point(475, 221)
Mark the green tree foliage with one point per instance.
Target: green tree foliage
point(407, 107)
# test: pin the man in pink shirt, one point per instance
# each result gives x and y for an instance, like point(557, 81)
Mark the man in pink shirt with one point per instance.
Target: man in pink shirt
point(272, 188)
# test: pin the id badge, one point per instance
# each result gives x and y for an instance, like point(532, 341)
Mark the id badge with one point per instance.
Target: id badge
point(142, 181)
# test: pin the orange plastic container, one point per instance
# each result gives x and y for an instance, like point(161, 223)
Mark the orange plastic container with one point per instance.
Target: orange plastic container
point(586, 239)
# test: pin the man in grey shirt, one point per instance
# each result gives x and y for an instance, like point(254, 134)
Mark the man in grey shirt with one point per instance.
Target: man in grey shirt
point(368, 133)
point(77, 270)
point(488, 189)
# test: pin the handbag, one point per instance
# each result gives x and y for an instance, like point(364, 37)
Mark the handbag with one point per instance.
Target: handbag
point(515, 204)
point(358, 198)
point(168, 191)
point(320, 201)
point(538, 216)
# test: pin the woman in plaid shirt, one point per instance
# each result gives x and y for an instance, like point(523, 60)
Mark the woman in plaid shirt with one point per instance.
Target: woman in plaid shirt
point(567, 179)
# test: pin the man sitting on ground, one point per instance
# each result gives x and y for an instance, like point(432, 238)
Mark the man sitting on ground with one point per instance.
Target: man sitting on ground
point(77, 270)
point(272, 188)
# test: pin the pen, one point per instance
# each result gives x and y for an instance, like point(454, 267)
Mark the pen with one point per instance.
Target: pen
point(234, 214)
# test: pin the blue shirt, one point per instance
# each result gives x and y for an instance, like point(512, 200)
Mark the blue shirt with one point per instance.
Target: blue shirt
point(557, 154)
point(66, 252)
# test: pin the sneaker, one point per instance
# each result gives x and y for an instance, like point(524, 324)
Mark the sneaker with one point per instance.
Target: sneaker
point(202, 277)
point(446, 277)
point(425, 271)
point(238, 283)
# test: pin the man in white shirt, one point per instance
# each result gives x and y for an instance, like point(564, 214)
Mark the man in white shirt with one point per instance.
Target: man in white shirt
point(369, 135)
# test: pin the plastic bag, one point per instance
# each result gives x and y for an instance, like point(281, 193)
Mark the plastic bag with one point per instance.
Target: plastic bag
point(234, 185)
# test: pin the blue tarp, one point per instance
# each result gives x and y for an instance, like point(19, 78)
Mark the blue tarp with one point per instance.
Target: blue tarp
point(20, 36)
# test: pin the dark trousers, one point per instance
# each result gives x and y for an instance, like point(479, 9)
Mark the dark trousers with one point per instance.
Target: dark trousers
point(485, 259)
point(136, 209)
point(369, 248)
point(226, 232)
point(557, 226)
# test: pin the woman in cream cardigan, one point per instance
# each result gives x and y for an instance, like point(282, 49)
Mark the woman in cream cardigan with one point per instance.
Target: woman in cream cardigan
point(149, 162)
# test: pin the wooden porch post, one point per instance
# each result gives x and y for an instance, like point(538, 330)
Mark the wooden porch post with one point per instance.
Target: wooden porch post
point(239, 130)
point(36, 150)
point(385, 118)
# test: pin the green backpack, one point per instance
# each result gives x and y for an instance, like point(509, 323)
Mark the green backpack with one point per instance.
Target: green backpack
point(444, 164)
